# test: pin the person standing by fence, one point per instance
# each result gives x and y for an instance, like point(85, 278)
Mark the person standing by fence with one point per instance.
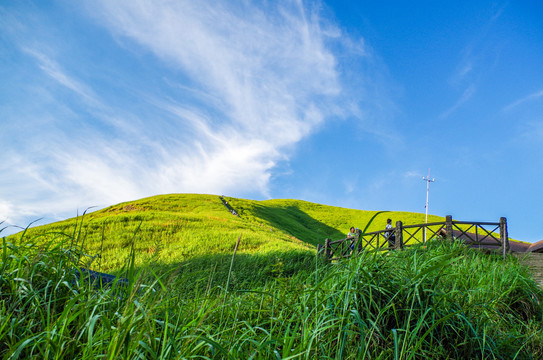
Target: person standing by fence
point(353, 235)
point(389, 235)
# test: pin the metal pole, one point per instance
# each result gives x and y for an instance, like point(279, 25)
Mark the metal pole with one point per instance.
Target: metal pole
point(428, 181)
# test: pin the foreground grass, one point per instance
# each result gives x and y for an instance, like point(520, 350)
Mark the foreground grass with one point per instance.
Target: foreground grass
point(441, 302)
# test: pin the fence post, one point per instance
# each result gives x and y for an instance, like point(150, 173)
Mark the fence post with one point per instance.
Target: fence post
point(398, 244)
point(356, 243)
point(504, 237)
point(327, 250)
point(449, 227)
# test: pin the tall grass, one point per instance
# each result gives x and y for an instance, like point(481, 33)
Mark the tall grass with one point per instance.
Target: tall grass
point(444, 301)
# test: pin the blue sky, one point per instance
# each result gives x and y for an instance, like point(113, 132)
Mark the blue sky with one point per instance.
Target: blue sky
point(343, 103)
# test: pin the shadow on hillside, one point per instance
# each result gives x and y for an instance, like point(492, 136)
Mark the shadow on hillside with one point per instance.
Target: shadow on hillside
point(297, 223)
point(211, 273)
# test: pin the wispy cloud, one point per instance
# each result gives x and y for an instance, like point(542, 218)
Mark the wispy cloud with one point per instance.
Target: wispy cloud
point(476, 58)
point(239, 86)
point(412, 173)
point(474, 55)
point(466, 95)
point(267, 67)
point(52, 69)
point(270, 67)
point(532, 97)
point(531, 134)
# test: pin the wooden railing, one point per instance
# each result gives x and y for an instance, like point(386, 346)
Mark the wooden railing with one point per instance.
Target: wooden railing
point(483, 234)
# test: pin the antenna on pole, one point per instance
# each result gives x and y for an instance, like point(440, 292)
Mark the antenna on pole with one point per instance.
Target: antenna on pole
point(428, 181)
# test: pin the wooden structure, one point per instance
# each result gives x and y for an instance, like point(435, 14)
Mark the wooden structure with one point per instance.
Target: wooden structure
point(477, 234)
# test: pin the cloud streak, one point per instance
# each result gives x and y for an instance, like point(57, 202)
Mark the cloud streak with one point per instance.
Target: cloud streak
point(474, 60)
point(53, 70)
point(466, 95)
point(239, 87)
point(266, 67)
point(532, 97)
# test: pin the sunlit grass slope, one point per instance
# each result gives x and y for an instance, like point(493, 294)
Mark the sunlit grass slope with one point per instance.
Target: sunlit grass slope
point(183, 293)
point(170, 229)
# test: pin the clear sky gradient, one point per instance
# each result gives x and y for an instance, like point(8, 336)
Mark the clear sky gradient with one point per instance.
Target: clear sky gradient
point(345, 103)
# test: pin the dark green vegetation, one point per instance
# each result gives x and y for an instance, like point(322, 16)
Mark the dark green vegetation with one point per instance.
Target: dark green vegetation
point(270, 301)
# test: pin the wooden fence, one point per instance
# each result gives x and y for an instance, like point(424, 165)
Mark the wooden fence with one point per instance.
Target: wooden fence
point(482, 234)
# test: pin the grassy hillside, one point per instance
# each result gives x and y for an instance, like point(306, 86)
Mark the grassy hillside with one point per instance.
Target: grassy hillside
point(169, 229)
point(187, 296)
point(312, 223)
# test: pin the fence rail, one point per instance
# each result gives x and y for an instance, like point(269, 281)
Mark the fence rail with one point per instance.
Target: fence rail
point(482, 234)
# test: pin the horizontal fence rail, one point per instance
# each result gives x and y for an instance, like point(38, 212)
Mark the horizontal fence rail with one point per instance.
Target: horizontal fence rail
point(481, 234)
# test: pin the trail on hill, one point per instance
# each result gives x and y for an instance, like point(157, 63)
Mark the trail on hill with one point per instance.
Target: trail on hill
point(229, 206)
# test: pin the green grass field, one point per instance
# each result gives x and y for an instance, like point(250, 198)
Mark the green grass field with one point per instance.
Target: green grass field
point(188, 296)
point(169, 229)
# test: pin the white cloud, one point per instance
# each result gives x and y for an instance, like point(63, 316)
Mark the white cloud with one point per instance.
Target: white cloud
point(466, 95)
point(6, 209)
point(270, 68)
point(52, 69)
point(266, 67)
point(532, 97)
point(412, 173)
point(475, 55)
point(241, 85)
point(478, 57)
point(531, 133)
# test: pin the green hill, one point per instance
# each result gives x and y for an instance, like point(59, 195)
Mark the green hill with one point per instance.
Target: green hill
point(170, 229)
point(182, 294)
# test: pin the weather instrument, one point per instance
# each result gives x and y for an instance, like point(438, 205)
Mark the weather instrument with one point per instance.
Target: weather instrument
point(428, 181)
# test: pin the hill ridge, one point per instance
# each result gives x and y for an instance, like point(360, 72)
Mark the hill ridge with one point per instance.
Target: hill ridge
point(173, 228)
